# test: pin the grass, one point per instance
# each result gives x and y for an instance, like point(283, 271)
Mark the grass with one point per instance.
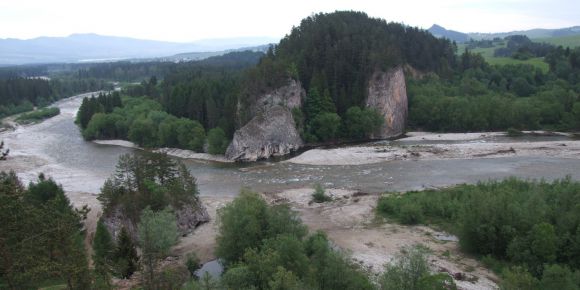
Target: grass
point(38, 115)
point(487, 54)
point(565, 41)
point(319, 195)
point(537, 62)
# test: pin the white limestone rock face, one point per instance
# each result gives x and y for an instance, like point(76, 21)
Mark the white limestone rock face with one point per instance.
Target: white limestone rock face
point(289, 96)
point(271, 133)
point(188, 215)
point(387, 93)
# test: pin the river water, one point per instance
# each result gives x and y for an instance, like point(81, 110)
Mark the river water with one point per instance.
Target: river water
point(83, 166)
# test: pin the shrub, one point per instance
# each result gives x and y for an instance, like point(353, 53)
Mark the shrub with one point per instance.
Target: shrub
point(319, 195)
point(192, 263)
point(217, 141)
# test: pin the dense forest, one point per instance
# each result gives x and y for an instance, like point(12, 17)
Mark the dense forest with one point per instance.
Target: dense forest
point(456, 93)
point(42, 236)
point(481, 97)
point(333, 55)
point(527, 230)
point(217, 92)
point(19, 94)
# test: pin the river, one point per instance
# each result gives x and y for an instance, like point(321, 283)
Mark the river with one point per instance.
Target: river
point(56, 148)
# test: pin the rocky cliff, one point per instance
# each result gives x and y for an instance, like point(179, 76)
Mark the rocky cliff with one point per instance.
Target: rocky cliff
point(270, 133)
point(188, 217)
point(289, 96)
point(387, 93)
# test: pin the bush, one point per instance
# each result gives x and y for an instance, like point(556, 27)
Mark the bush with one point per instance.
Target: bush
point(411, 214)
point(192, 263)
point(410, 271)
point(217, 141)
point(361, 123)
point(326, 125)
point(523, 223)
point(319, 195)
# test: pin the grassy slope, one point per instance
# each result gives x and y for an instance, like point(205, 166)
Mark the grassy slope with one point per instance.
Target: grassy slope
point(565, 41)
point(487, 53)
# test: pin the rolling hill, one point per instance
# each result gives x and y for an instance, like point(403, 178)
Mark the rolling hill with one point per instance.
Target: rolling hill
point(567, 37)
point(93, 47)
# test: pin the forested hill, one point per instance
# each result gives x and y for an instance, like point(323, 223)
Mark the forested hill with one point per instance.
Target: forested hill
point(337, 52)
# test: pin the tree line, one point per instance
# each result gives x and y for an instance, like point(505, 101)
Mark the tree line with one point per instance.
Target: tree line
point(41, 236)
point(21, 94)
point(144, 122)
point(529, 231)
point(482, 97)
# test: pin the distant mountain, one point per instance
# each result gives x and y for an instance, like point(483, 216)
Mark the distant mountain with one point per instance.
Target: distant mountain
point(192, 56)
point(440, 32)
point(532, 33)
point(93, 47)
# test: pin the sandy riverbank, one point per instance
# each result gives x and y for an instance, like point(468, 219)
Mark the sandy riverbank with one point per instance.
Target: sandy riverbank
point(180, 153)
point(350, 222)
point(467, 146)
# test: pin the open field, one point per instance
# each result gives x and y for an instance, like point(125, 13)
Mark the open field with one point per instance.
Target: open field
point(565, 41)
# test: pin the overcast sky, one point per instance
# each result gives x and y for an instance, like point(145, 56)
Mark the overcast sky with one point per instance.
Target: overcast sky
point(181, 20)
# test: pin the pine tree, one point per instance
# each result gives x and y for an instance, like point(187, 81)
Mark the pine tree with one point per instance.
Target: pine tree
point(126, 258)
point(103, 250)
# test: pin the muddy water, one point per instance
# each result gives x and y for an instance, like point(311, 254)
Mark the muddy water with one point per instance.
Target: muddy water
point(57, 148)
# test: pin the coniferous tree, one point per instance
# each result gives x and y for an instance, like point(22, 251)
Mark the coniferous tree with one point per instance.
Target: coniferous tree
point(103, 251)
point(126, 259)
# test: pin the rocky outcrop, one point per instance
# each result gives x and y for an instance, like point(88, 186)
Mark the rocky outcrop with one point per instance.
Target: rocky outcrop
point(387, 93)
point(289, 96)
point(188, 217)
point(271, 133)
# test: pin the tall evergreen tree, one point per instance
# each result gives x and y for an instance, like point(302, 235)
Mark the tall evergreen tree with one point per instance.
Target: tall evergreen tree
point(103, 253)
point(125, 256)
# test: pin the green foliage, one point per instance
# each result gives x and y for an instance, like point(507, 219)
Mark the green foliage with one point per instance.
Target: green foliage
point(139, 120)
point(265, 248)
point(125, 256)
point(103, 126)
point(526, 223)
point(410, 267)
point(557, 277)
point(21, 94)
point(319, 194)
point(157, 234)
point(217, 141)
point(148, 179)
point(518, 278)
point(325, 126)
point(247, 221)
point(103, 253)
point(143, 133)
point(410, 271)
point(361, 123)
point(336, 53)
point(192, 263)
point(38, 115)
point(42, 236)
